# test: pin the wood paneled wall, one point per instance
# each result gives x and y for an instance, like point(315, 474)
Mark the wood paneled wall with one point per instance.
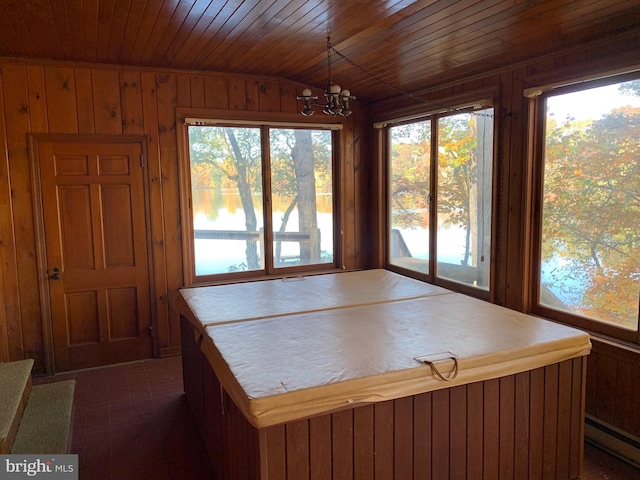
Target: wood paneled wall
point(612, 386)
point(54, 98)
point(81, 99)
point(613, 370)
point(513, 193)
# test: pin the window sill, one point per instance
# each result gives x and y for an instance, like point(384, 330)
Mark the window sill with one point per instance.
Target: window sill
point(609, 343)
point(258, 278)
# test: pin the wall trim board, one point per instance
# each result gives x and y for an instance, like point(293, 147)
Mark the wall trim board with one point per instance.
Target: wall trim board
point(615, 441)
point(611, 399)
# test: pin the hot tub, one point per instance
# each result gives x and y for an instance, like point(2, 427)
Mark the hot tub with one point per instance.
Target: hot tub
point(367, 375)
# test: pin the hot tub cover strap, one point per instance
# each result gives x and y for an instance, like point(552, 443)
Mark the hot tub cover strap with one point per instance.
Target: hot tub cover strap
point(431, 360)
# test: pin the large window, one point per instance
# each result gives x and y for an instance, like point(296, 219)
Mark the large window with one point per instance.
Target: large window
point(261, 199)
point(440, 197)
point(589, 262)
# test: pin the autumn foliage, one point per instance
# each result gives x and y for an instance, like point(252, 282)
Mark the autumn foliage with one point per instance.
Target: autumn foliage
point(591, 214)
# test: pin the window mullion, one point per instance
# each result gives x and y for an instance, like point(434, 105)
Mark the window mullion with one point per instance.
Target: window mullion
point(267, 201)
point(433, 200)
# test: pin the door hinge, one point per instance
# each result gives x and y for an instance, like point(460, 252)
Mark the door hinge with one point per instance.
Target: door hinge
point(142, 160)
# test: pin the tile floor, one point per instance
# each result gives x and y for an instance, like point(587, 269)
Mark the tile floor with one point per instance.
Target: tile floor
point(599, 465)
point(132, 421)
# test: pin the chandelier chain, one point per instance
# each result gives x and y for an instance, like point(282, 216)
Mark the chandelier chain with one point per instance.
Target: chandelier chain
point(338, 100)
point(329, 49)
point(380, 80)
point(398, 90)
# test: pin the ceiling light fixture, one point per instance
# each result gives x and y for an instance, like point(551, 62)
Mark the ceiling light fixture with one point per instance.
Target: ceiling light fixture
point(337, 100)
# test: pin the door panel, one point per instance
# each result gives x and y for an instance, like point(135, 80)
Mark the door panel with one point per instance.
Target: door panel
point(94, 222)
point(118, 230)
point(82, 318)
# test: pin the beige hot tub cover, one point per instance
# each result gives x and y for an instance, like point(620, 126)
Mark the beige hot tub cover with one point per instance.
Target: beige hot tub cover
point(286, 367)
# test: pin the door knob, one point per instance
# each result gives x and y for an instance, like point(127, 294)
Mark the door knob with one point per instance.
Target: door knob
point(56, 273)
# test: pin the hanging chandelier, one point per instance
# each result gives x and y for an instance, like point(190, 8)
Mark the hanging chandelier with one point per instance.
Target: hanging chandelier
point(337, 100)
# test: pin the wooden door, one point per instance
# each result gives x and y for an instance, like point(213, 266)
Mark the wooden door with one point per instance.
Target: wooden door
point(93, 206)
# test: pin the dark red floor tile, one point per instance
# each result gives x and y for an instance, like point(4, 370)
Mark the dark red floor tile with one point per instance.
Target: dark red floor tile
point(132, 422)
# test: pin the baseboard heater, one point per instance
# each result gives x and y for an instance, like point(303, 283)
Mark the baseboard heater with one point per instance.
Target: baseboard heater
point(615, 441)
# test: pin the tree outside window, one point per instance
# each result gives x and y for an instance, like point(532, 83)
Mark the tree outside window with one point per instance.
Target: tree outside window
point(460, 211)
point(590, 235)
point(230, 203)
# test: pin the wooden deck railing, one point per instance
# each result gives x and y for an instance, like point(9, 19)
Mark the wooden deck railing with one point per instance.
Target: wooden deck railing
point(250, 235)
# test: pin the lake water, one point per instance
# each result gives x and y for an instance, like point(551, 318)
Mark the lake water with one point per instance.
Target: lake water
point(222, 210)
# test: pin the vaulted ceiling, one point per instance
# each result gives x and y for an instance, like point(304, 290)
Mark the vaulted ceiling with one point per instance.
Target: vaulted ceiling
point(387, 47)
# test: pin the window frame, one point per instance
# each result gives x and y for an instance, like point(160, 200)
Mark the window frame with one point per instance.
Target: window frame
point(538, 98)
point(198, 117)
point(472, 106)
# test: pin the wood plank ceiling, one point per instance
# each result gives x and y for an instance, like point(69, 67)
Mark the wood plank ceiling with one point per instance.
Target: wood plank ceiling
point(395, 45)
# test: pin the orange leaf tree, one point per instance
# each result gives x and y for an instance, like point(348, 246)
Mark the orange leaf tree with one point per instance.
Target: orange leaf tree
point(591, 214)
